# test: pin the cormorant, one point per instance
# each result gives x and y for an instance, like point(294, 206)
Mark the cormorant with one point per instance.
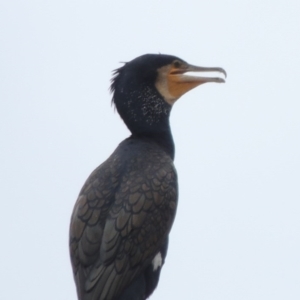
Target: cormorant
point(125, 210)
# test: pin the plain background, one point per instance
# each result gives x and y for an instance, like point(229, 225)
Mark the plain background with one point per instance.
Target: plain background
point(236, 235)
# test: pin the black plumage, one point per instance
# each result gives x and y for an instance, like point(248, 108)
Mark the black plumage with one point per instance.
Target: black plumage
point(125, 210)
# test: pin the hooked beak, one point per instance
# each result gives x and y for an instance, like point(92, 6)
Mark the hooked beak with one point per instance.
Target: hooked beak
point(179, 83)
point(178, 75)
point(172, 81)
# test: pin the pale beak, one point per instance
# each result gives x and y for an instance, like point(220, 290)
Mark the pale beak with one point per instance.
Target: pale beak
point(181, 77)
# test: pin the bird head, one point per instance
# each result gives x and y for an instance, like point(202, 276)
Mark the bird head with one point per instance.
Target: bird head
point(145, 88)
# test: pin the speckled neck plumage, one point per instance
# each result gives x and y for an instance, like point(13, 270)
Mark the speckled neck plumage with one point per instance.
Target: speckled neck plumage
point(146, 114)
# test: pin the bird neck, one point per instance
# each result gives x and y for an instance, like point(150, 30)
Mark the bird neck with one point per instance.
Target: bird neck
point(163, 138)
point(146, 114)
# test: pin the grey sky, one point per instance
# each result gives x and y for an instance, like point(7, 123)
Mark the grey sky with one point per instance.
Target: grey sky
point(236, 235)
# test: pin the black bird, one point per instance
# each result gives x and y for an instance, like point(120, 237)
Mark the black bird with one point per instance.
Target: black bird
point(125, 210)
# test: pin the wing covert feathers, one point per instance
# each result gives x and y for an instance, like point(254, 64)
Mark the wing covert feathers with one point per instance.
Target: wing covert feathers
point(123, 214)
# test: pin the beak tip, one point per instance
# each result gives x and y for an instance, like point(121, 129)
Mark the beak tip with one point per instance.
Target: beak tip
point(224, 72)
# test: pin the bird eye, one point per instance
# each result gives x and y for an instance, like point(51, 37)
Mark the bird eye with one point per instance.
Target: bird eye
point(176, 64)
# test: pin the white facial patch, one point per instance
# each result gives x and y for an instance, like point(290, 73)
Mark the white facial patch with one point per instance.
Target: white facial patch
point(157, 261)
point(162, 85)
